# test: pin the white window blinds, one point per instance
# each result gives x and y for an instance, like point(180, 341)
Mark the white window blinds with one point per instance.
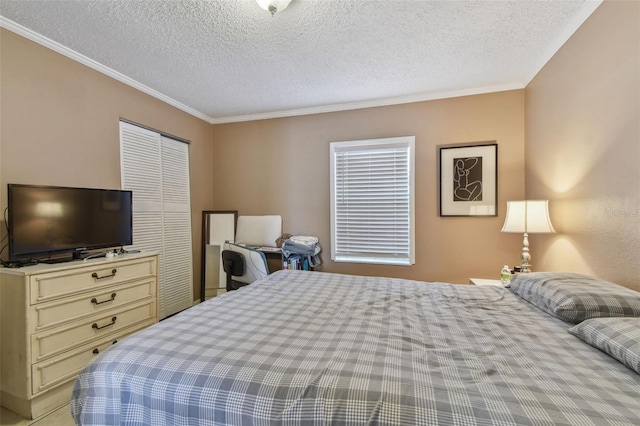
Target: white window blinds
point(156, 169)
point(372, 201)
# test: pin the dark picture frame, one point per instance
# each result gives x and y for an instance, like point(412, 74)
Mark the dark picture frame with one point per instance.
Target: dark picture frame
point(212, 250)
point(468, 179)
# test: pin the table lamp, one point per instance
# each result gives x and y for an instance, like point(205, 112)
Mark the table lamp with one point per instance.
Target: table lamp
point(528, 216)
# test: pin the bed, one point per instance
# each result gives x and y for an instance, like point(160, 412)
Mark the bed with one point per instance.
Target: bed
point(300, 347)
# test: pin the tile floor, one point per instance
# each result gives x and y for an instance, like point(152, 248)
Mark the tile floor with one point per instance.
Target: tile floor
point(59, 417)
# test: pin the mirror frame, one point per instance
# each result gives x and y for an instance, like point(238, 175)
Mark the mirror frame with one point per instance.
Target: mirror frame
point(205, 235)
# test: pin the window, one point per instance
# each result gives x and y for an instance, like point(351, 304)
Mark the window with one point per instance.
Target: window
point(156, 168)
point(372, 201)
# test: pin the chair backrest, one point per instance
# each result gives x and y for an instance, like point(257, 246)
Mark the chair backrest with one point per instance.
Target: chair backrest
point(233, 262)
point(255, 263)
point(259, 231)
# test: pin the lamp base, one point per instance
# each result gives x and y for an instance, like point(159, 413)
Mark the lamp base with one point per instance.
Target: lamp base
point(525, 256)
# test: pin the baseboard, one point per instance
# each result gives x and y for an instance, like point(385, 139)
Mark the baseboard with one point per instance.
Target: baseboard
point(39, 405)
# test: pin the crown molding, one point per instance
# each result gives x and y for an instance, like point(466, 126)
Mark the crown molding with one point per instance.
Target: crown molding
point(72, 54)
point(431, 96)
point(588, 7)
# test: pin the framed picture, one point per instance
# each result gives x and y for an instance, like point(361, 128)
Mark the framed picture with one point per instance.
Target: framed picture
point(469, 179)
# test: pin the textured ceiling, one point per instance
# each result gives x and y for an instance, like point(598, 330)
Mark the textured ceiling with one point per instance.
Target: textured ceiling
point(229, 60)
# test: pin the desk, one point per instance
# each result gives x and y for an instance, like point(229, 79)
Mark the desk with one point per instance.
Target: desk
point(274, 257)
point(276, 260)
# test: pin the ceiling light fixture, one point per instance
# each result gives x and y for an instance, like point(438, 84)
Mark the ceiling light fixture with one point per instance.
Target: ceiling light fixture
point(273, 6)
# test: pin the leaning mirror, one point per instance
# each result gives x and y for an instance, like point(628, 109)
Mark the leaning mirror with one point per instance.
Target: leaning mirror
point(218, 226)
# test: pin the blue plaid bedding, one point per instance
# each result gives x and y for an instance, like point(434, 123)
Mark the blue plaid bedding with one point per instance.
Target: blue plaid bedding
point(315, 348)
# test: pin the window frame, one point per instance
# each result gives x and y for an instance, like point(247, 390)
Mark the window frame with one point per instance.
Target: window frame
point(407, 142)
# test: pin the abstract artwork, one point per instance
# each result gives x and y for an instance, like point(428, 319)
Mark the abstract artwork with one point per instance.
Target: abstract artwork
point(468, 180)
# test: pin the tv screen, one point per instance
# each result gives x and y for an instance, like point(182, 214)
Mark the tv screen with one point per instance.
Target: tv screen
point(45, 220)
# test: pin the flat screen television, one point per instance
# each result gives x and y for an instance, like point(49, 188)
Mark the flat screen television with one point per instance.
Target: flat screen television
point(50, 220)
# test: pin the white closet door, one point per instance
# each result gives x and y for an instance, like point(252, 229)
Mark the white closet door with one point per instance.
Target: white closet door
point(176, 203)
point(156, 169)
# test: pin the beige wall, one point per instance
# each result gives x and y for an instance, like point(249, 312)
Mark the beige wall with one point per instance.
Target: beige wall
point(59, 126)
point(281, 166)
point(583, 148)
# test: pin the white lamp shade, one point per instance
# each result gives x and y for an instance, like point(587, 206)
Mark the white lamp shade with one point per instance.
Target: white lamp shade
point(279, 5)
point(531, 216)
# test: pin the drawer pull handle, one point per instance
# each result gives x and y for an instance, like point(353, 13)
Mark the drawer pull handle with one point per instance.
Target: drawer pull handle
point(96, 351)
point(95, 301)
point(113, 274)
point(97, 327)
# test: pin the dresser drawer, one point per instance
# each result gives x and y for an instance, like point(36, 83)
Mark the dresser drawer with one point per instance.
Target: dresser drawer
point(65, 367)
point(64, 338)
point(57, 284)
point(60, 311)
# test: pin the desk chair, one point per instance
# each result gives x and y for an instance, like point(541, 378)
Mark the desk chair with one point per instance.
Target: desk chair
point(243, 265)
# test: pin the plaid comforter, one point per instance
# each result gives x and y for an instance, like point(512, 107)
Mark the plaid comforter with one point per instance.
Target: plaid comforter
point(317, 348)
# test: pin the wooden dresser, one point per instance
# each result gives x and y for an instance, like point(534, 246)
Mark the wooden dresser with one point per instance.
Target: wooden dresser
point(56, 318)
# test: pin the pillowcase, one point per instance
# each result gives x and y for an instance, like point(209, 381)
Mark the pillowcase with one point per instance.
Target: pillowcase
point(574, 297)
point(618, 337)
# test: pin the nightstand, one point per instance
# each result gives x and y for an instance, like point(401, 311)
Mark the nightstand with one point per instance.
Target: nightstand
point(484, 281)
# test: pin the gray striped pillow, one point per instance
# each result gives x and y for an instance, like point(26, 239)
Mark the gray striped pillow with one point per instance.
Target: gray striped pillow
point(618, 337)
point(574, 297)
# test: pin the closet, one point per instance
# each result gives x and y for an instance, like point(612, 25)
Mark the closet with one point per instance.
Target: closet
point(155, 167)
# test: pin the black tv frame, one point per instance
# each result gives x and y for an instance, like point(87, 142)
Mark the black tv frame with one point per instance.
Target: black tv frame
point(53, 256)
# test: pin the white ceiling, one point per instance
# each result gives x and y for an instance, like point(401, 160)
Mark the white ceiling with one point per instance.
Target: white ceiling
point(229, 60)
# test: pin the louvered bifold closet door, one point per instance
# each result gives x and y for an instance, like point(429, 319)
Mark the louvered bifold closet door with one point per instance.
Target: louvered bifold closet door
point(156, 169)
point(176, 202)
